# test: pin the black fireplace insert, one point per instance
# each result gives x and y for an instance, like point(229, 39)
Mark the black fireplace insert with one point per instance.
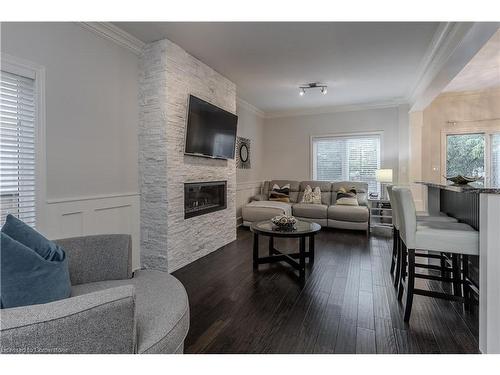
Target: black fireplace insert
point(204, 197)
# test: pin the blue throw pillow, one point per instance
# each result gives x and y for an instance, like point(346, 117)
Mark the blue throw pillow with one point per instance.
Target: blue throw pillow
point(27, 278)
point(29, 237)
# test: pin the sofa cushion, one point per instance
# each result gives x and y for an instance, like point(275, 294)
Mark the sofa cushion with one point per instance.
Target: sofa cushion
point(294, 188)
point(311, 196)
point(23, 233)
point(280, 193)
point(346, 193)
point(348, 213)
point(361, 189)
point(26, 278)
point(347, 201)
point(162, 309)
point(264, 210)
point(325, 187)
point(312, 211)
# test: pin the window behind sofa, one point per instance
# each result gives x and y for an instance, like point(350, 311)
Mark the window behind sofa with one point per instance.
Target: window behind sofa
point(347, 158)
point(17, 147)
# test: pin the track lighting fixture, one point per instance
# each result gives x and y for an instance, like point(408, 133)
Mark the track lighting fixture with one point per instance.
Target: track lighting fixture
point(313, 85)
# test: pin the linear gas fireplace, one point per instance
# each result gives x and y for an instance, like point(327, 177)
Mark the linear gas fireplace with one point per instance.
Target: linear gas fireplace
point(204, 197)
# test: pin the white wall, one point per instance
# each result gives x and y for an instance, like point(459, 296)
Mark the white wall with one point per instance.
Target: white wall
point(415, 165)
point(248, 181)
point(91, 108)
point(404, 143)
point(287, 139)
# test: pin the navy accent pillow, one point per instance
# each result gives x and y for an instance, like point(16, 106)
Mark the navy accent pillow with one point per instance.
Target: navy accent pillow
point(27, 278)
point(29, 237)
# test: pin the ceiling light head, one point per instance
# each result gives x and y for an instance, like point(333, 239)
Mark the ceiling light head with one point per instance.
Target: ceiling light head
point(313, 85)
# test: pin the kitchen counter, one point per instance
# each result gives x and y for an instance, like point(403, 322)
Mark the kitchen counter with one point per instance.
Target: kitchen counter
point(478, 206)
point(475, 187)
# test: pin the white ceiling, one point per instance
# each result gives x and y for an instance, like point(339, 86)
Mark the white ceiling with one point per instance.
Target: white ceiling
point(360, 62)
point(482, 72)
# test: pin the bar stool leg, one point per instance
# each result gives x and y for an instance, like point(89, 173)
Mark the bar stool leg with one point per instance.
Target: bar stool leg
point(443, 264)
point(465, 275)
point(398, 262)
point(395, 238)
point(456, 269)
point(410, 284)
point(402, 270)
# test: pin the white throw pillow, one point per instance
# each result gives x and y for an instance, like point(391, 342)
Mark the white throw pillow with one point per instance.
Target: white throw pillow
point(346, 201)
point(312, 196)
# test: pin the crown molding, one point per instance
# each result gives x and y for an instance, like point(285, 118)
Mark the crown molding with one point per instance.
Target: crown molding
point(111, 32)
point(338, 108)
point(446, 38)
point(249, 107)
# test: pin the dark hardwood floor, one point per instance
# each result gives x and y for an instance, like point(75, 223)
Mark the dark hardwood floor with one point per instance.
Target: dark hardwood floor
point(348, 303)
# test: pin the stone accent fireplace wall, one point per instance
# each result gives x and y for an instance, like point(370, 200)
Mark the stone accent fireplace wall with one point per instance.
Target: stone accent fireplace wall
point(168, 74)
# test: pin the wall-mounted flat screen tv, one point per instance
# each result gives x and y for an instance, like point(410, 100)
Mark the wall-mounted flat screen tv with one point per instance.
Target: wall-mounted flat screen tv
point(210, 130)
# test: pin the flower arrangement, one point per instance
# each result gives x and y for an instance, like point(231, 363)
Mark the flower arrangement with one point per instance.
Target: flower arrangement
point(284, 222)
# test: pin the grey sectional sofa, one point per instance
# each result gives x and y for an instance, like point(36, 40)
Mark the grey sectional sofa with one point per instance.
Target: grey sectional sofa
point(110, 310)
point(327, 214)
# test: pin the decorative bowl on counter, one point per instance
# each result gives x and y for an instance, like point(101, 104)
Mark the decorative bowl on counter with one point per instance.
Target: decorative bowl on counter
point(284, 222)
point(462, 180)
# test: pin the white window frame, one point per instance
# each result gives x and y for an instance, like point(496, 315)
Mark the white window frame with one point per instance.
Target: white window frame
point(25, 68)
point(314, 138)
point(487, 131)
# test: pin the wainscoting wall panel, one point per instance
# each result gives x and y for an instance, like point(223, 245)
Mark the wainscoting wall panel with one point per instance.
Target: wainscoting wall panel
point(82, 216)
point(244, 191)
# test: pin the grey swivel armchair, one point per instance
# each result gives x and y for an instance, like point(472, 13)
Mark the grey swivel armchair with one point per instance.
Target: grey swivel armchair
point(110, 309)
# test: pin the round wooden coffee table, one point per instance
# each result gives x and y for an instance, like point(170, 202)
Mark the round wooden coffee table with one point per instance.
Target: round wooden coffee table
point(302, 231)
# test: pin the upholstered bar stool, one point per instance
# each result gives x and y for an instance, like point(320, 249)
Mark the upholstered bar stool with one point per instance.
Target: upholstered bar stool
point(444, 258)
point(457, 238)
point(396, 243)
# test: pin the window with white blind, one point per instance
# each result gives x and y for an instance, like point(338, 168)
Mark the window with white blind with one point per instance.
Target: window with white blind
point(347, 158)
point(17, 147)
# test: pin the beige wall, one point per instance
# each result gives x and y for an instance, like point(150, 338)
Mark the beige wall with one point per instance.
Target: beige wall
point(248, 181)
point(471, 110)
point(287, 139)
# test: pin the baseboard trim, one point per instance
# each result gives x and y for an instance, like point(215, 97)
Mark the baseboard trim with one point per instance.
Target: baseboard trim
point(239, 221)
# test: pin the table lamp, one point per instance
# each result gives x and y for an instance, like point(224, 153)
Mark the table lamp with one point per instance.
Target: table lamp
point(384, 176)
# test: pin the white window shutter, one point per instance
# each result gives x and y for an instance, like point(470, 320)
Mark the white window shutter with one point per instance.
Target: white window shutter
point(17, 147)
point(347, 158)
